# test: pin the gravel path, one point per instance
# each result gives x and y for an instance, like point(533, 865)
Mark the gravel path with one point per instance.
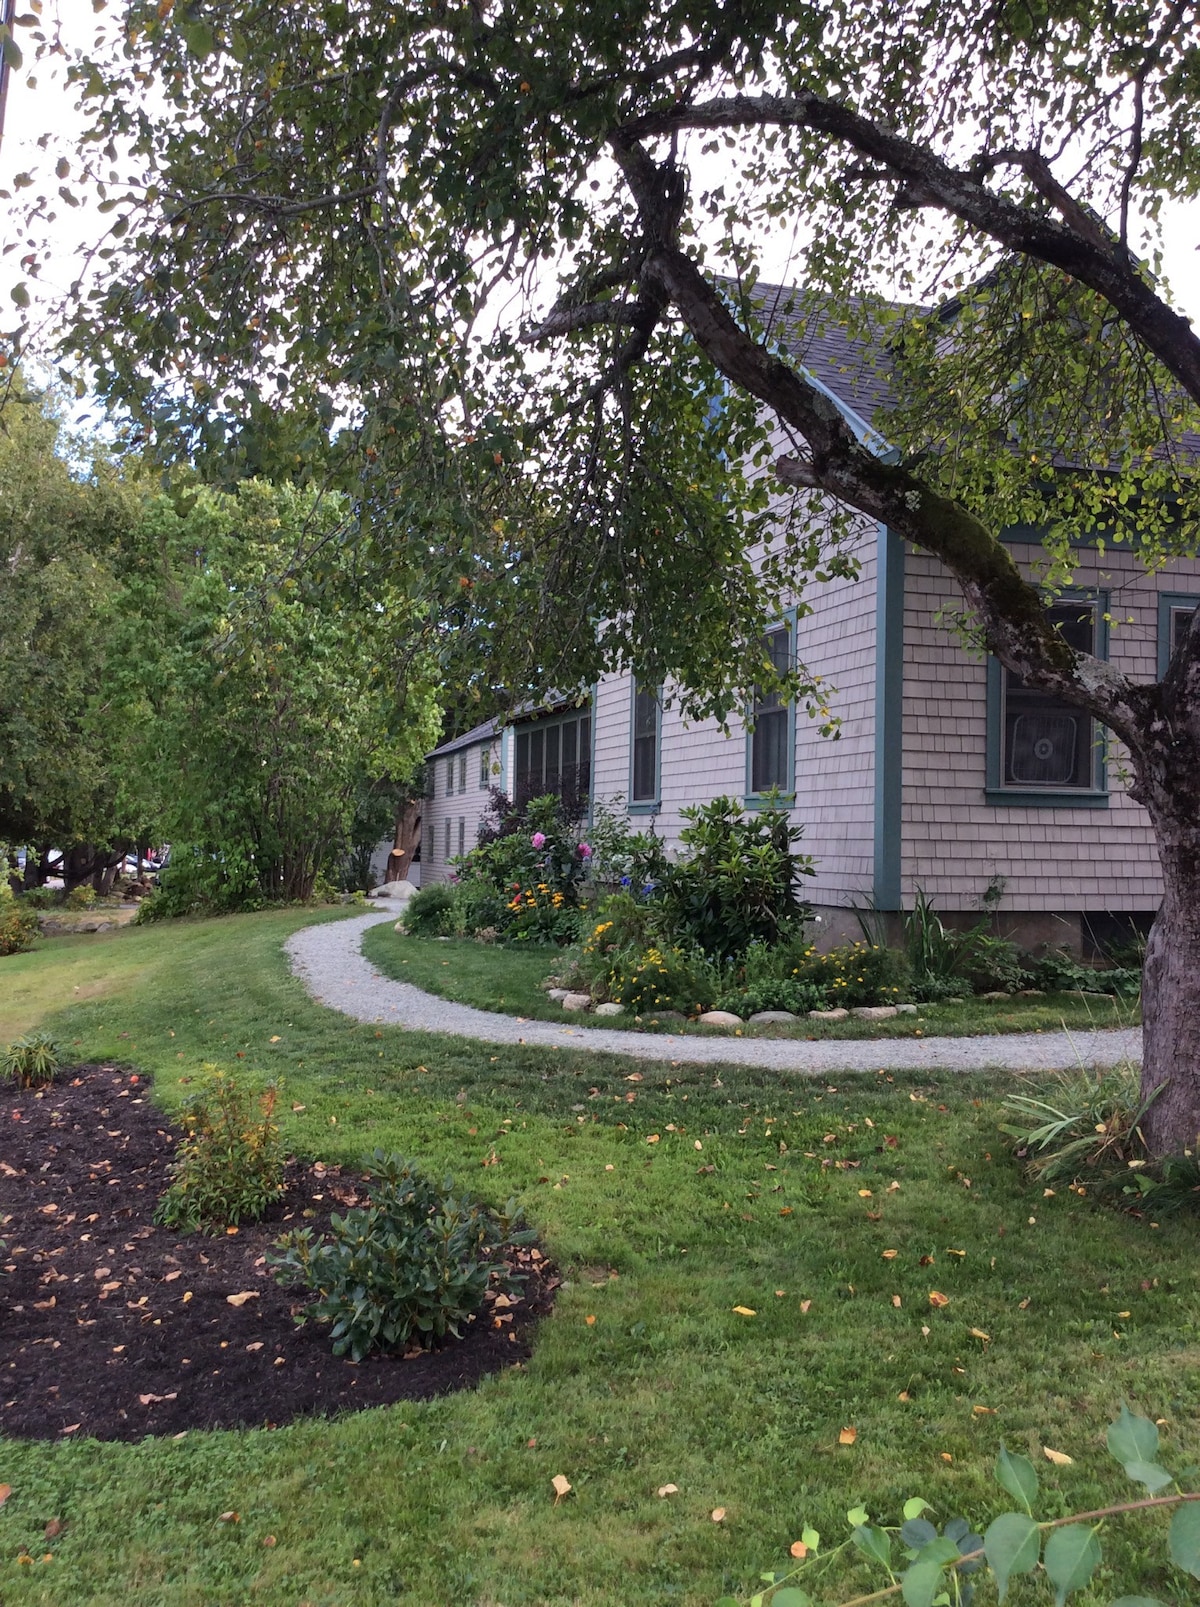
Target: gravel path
point(329, 961)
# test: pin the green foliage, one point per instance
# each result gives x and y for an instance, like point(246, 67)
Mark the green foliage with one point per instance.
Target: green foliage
point(526, 877)
point(430, 911)
point(411, 1267)
point(229, 1165)
point(81, 897)
point(664, 978)
point(621, 857)
point(32, 1060)
point(18, 921)
point(853, 974)
point(1084, 1128)
point(737, 883)
point(1056, 971)
point(939, 1565)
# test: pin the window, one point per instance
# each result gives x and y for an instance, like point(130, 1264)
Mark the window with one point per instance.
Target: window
point(462, 771)
point(1175, 610)
point(646, 739)
point(485, 767)
point(462, 836)
point(446, 855)
point(771, 752)
point(449, 777)
point(1048, 748)
point(555, 756)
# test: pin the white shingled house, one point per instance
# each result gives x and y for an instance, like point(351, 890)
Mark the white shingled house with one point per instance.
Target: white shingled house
point(948, 776)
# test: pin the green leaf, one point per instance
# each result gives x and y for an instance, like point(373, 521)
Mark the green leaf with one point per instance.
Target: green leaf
point(1072, 1557)
point(1155, 1478)
point(1185, 1539)
point(1132, 1439)
point(921, 1584)
point(199, 38)
point(810, 1538)
point(914, 1507)
point(12, 53)
point(791, 1596)
point(1018, 1476)
point(874, 1543)
point(1011, 1545)
point(857, 1516)
point(20, 295)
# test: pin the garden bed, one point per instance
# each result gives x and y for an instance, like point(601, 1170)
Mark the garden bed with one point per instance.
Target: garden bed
point(508, 979)
point(114, 1328)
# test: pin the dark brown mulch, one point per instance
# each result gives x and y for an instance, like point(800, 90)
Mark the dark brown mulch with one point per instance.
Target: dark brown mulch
point(115, 1328)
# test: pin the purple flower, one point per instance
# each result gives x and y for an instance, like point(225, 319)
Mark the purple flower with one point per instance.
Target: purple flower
point(585, 850)
point(538, 839)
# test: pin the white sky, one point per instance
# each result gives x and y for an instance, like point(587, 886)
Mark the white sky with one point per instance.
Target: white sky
point(47, 109)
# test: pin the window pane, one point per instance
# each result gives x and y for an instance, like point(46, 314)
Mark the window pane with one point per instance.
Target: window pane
point(1047, 742)
point(446, 855)
point(553, 764)
point(769, 754)
point(645, 746)
point(485, 767)
point(449, 777)
point(570, 745)
point(1181, 618)
point(462, 771)
point(462, 834)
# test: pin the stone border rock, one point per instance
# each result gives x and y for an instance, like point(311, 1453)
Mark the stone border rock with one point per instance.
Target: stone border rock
point(329, 960)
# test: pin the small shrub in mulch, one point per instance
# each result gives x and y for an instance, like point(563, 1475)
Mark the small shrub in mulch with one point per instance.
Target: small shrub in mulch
point(113, 1326)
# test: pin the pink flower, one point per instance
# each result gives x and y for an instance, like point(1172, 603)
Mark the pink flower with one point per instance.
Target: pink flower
point(585, 850)
point(538, 839)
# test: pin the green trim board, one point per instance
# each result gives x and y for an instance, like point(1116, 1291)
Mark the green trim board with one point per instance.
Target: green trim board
point(651, 805)
point(889, 720)
point(1168, 602)
point(783, 795)
point(1033, 797)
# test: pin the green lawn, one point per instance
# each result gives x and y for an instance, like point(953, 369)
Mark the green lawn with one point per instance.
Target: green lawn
point(498, 977)
point(449, 1504)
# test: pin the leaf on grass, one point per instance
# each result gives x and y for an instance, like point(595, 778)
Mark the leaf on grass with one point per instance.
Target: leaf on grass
point(665, 1490)
point(717, 1514)
point(241, 1299)
point(231, 1517)
point(561, 1487)
point(848, 1436)
point(1132, 1438)
point(5, 1492)
point(1072, 1557)
point(1059, 1458)
point(53, 1529)
point(978, 1333)
point(798, 1550)
point(937, 1299)
point(275, 1039)
point(745, 1311)
point(805, 1307)
point(889, 1255)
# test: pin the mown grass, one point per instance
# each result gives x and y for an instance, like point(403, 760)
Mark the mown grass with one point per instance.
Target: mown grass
point(509, 977)
point(450, 1502)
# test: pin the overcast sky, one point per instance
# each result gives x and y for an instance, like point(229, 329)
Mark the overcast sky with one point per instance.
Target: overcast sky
point(47, 109)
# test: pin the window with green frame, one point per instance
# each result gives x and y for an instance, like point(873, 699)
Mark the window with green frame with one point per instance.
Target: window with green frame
point(771, 748)
point(1042, 749)
point(645, 746)
point(555, 756)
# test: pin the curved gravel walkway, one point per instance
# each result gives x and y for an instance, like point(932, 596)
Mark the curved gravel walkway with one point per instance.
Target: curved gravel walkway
point(329, 961)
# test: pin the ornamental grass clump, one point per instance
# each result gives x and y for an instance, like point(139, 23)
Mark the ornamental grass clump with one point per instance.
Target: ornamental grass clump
point(32, 1061)
point(410, 1268)
point(229, 1166)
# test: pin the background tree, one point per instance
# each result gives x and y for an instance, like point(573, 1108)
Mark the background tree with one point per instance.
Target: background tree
point(269, 706)
point(363, 178)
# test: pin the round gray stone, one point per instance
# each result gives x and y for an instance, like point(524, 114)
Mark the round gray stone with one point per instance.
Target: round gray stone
point(765, 1017)
point(611, 1008)
point(577, 1001)
point(720, 1018)
point(874, 1012)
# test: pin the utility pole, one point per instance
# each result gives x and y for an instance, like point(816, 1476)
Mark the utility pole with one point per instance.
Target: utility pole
point(10, 13)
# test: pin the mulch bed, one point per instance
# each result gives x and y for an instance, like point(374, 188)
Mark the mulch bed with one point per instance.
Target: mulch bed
point(115, 1328)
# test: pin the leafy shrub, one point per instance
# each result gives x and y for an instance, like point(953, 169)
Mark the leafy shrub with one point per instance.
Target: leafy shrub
point(41, 898)
point(855, 974)
point(32, 1060)
point(778, 994)
point(992, 963)
point(18, 923)
point(1055, 971)
point(228, 1166)
point(636, 860)
point(528, 870)
point(430, 912)
point(926, 1566)
point(413, 1265)
point(738, 882)
point(665, 978)
point(1082, 1127)
point(81, 897)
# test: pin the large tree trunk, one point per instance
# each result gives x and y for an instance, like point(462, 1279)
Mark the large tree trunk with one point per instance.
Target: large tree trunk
point(1171, 990)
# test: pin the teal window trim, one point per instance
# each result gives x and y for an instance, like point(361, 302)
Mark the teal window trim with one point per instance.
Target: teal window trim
point(785, 795)
point(1168, 601)
point(889, 720)
point(996, 792)
point(645, 806)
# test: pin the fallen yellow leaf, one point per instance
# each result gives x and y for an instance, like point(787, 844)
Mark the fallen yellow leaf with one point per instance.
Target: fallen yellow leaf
point(591, 1321)
point(984, 1411)
point(847, 1436)
point(1059, 1458)
point(240, 1300)
point(665, 1490)
point(561, 1487)
point(904, 1396)
point(945, 1456)
point(275, 1039)
point(745, 1311)
point(718, 1514)
point(864, 1194)
point(937, 1299)
point(5, 1492)
point(978, 1333)
point(798, 1550)
point(889, 1255)
point(896, 1301)
point(230, 1517)
point(805, 1306)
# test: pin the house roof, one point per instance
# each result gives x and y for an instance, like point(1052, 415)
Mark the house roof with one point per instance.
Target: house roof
point(490, 728)
point(478, 733)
